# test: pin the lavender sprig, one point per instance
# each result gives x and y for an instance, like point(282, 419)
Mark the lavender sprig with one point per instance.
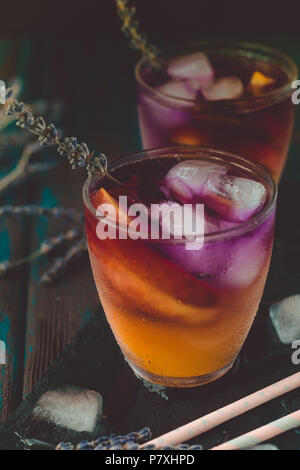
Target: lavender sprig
point(61, 263)
point(130, 441)
point(138, 40)
point(20, 138)
point(71, 215)
point(77, 153)
point(24, 169)
point(32, 170)
point(45, 248)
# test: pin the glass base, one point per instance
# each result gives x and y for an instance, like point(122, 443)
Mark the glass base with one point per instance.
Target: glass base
point(180, 382)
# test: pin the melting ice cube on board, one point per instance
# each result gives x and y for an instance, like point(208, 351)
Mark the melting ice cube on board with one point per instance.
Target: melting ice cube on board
point(227, 88)
point(194, 66)
point(233, 197)
point(186, 180)
point(70, 407)
point(285, 317)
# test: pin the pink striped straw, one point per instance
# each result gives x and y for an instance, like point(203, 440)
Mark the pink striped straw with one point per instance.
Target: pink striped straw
point(210, 421)
point(262, 434)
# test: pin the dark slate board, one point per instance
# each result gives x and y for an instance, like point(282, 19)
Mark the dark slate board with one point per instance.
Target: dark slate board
point(94, 361)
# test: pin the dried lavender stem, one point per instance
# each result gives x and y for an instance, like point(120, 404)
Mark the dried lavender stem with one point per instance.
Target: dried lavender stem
point(68, 214)
point(60, 264)
point(45, 248)
point(78, 154)
point(137, 40)
point(115, 180)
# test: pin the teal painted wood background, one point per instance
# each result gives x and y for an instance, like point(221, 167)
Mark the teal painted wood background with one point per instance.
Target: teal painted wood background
point(37, 322)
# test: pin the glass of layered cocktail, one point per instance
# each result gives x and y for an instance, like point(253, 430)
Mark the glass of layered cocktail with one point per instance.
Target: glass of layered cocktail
point(231, 95)
point(180, 302)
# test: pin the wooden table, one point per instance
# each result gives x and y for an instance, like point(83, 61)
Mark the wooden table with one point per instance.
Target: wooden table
point(38, 322)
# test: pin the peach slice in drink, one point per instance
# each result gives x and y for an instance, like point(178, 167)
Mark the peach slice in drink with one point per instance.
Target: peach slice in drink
point(157, 287)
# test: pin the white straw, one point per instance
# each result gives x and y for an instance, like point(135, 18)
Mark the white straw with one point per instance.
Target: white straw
point(210, 421)
point(262, 434)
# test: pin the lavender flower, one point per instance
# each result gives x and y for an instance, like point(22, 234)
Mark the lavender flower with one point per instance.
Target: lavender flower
point(78, 154)
point(60, 264)
point(138, 40)
point(131, 441)
point(58, 212)
point(45, 248)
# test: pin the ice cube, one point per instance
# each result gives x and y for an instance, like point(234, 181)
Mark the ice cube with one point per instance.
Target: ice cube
point(178, 89)
point(178, 220)
point(186, 180)
point(208, 260)
point(214, 224)
point(195, 66)
point(285, 317)
point(233, 197)
point(161, 114)
point(180, 190)
point(246, 258)
point(70, 407)
point(195, 86)
point(234, 262)
point(227, 88)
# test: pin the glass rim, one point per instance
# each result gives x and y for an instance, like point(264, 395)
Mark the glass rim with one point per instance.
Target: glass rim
point(283, 90)
point(246, 226)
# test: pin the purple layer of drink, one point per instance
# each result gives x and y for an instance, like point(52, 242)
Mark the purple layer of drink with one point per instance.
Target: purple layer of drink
point(232, 96)
point(181, 313)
